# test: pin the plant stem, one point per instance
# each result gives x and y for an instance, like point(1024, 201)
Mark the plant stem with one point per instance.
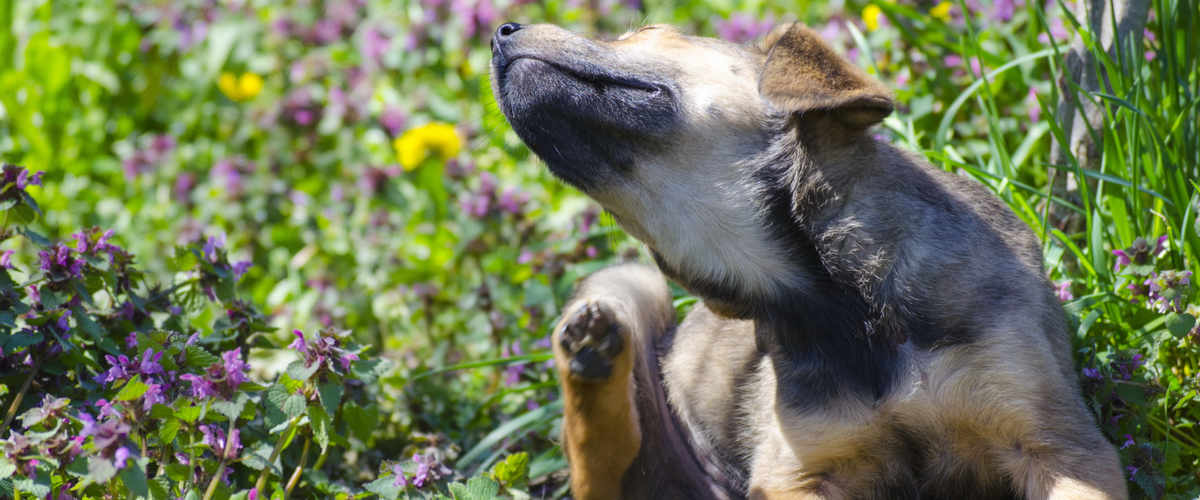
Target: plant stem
point(12, 408)
point(266, 472)
point(225, 452)
point(299, 468)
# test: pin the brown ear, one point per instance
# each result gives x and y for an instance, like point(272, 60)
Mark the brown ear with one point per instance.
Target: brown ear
point(803, 74)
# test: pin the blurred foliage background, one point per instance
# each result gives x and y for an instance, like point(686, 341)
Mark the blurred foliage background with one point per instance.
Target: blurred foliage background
point(352, 152)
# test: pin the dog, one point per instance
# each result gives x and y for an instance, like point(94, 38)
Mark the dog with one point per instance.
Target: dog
point(871, 327)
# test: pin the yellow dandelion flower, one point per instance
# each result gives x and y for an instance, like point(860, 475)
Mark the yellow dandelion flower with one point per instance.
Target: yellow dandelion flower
point(941, 11)
point(241, 88)
point(870, 16)
point(434, 139)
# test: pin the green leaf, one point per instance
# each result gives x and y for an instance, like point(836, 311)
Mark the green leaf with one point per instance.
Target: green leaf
point(21, 340)
point(231, 409)
point(459, 491)
point(1132, 394)
point(1180, 324)
point(370, 370)
point(294, 405)
point(24, 214)
point(179, 472)
point(51, 299)
point(257, 458)
point(161, 411)
point(1171, 458)
point(100, 470)
point(189, 414)
point(160, 489)
point(361, 421)
point(298, 371)
point(39, 488)
point(34, 236)
point(385, 488)
point(6, 468)
point(132, 390)
point(86, 323)
point(276, 396)
point(482, 488)
point(319, 421)
point(513, 470)
point(330, 393)
point(167, 430)
point(198, 357)
point(134, 479)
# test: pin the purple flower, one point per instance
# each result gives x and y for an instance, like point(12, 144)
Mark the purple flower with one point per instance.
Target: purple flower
point(154, 395)
point(512, 374)
point(119, 458)
point(374, 45)
point(1035, 110)
point(742, 27)
point(184, 185)
point(150, 362)
point(117, 372)
point(512, 201)
point(401, 480)
point(327, 31)
point(393, 119)
point(220, 379)
point(953, 61)
point(429, 470)
point(211, 246)
point(1132, 471)
point(1128, 441)
point(62, 320)
point(1063, 290)
point(1165, 290)
point(1092, 373)
point(1003, 10)
point(240, 268)
point(347, 359)
point(214, 437)
point(1122, 260)
point(1057, 29)
point(108, 432)
point(59, 264)
point(325, 346)
point(299, 343)
point(6, 259)
point(144, 161)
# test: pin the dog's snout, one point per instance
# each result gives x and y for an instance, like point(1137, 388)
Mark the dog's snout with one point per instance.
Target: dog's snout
point(503, 32)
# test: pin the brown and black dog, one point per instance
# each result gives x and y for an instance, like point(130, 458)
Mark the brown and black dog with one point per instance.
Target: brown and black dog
point(871, 327)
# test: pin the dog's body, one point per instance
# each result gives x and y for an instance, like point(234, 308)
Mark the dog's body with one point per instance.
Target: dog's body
point(872, 327)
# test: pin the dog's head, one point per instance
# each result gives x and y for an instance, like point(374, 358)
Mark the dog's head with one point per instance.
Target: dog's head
point(670, 133)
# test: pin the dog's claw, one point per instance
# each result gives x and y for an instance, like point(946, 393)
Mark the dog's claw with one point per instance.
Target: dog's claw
point(592, 338)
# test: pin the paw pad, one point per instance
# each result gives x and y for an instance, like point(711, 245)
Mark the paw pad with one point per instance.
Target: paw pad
point(592, 338)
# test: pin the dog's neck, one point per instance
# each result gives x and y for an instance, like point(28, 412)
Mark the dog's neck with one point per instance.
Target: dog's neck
point(818, 329)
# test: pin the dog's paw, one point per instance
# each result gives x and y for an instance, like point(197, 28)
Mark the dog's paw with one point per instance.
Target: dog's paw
point(591, 338)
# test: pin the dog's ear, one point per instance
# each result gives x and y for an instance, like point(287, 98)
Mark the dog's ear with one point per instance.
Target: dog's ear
point(803, 74)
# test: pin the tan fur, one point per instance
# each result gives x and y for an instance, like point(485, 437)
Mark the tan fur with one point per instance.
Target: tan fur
point(601, 434)
point(803, 74)
point(999, 409)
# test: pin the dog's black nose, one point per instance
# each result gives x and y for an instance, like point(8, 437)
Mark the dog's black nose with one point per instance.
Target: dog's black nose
point(504, 31)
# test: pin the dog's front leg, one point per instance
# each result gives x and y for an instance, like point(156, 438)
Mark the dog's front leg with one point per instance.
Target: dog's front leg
point(605, 332)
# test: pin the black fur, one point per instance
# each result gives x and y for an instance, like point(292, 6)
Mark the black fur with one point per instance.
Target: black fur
point(590, 122)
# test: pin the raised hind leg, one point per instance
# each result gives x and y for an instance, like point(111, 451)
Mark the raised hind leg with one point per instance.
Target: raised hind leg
point(621, 437)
